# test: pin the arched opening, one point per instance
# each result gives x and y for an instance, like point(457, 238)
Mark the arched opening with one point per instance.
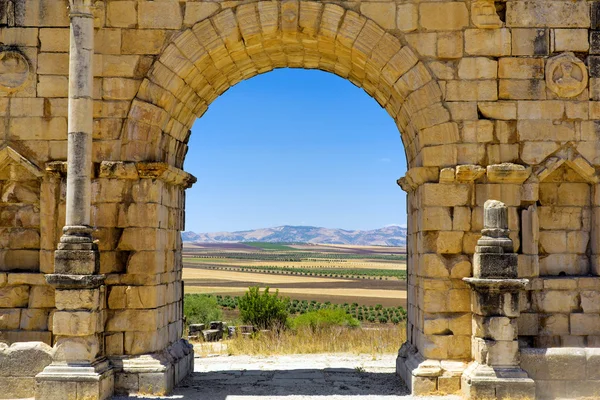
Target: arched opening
point(302, 166)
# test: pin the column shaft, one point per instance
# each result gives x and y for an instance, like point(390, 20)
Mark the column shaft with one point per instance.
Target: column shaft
point(79, 162)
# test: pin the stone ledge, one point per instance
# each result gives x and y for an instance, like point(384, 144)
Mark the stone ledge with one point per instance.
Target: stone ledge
point(131, 171)
point(63, 281)
point(505, 173)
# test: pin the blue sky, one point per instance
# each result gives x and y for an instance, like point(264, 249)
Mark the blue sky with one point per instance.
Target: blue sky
point(295, 147)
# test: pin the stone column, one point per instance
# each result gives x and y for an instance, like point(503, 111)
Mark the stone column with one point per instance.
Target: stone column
point(495, 373)
point(78, 371)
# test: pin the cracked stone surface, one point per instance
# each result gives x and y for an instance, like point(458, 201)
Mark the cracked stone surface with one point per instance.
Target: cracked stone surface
point(294, 377)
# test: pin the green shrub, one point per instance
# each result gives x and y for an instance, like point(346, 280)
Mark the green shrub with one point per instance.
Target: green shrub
point(264, 311)
point(323, 319)
point(201, 309)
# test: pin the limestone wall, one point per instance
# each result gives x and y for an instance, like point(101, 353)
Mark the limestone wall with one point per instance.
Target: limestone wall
point(561, 312)
point(570, 373)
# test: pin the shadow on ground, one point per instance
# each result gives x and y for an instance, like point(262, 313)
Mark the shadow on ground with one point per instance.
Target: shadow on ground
point(333, 383)
point(221, 385)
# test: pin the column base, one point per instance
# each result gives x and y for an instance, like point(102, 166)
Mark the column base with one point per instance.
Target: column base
point(153, 374)
point(75, 381)
point(428, 377)
point(485, 382)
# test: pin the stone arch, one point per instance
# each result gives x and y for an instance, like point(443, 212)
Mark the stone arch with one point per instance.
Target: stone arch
point(202, 62)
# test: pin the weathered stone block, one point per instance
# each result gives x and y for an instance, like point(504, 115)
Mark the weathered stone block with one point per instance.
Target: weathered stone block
point(571, 40)
point(486, 42)
point(435, 219)
point(144, 342)
point(14, 296)
point(77, 299)
point(529, 42)
point(488, 303)
point(444, 195)
point(555, 301)
point(554, 324)
point(559, 14)
point(195, 12)
point(159, 15)
point(554, 363)
point(76, 323)
point(585, 324)
point(134, 320)
point(41, 297)
point(383, 13)
point(520, 89)
point(33, 319)
point(528, 324)
point(407, 17)
point(113, 343)
point(484, 90)
point(121, 14)
point(146, 41)
point(444, 16)
point(496, 353)
point(10, 318)
point(495, 328)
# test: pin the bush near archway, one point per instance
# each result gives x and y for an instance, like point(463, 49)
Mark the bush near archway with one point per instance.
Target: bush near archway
point(264, 310)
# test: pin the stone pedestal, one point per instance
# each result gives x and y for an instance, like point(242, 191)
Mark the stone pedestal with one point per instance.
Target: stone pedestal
point(495, 373)
point(78, 371)
point(153, 374)
point(76, 380)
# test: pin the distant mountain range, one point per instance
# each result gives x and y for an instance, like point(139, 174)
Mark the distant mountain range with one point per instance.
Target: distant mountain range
point(388, 236)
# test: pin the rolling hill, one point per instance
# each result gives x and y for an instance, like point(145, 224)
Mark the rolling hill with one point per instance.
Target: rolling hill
point(388, 236)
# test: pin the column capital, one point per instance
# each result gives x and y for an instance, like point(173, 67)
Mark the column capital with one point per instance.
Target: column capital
point(80, 8)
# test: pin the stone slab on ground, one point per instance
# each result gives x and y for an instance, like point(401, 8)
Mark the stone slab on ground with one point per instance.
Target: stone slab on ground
point(294, 377)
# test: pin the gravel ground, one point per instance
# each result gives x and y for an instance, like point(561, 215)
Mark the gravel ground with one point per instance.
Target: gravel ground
point(294, 377)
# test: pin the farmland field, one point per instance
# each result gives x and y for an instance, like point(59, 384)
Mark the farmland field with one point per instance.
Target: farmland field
point(366, 275)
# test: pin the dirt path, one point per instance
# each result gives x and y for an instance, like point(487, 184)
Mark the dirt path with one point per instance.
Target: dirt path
point(295, 377)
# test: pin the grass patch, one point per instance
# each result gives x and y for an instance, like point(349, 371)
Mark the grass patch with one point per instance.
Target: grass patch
point(325, 318)
point(336, 339)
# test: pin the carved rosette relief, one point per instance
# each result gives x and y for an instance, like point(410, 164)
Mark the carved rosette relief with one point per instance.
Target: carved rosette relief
point(566, 75)
point(14, 70)
point(484, 15)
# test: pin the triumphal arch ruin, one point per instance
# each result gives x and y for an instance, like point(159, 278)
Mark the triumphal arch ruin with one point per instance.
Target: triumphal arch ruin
point(498, 106)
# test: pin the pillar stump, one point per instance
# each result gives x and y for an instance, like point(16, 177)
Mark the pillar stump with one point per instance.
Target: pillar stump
point(495, 288)
point(79, 370)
